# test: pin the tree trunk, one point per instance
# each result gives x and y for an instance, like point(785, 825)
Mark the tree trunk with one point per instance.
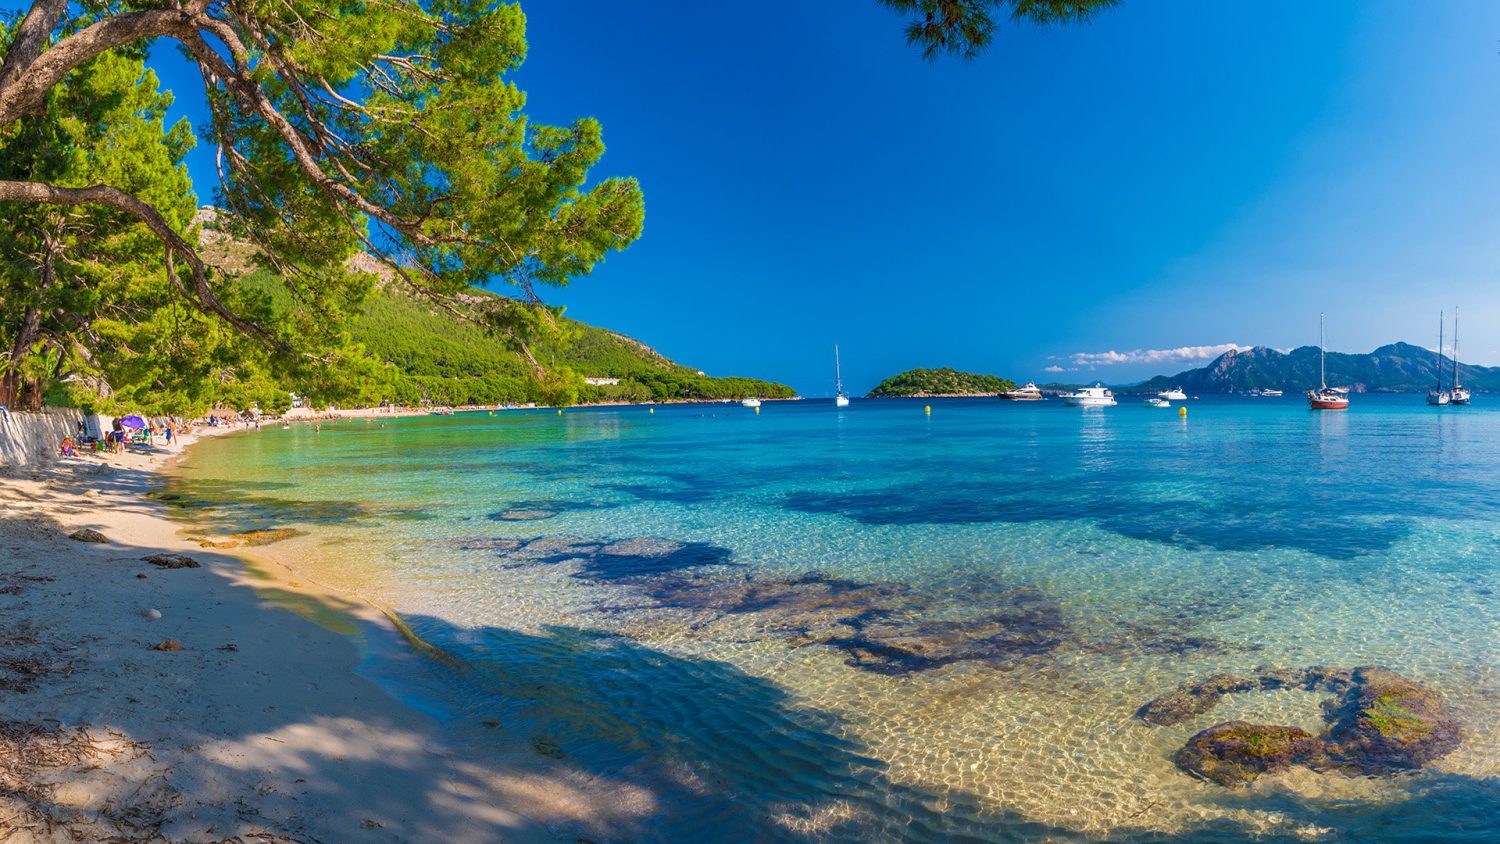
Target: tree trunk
point(30, 329)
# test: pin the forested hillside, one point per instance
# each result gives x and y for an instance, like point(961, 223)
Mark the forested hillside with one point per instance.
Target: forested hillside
point(940, 382)
point(448, 361)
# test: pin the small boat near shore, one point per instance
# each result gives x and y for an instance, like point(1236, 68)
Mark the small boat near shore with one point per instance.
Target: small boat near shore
point(1271, 394)
point(1030, 392)
point(750, 402)
point(1156, 402)
point(1325, 398)
point(1438, 397)
point(1459, 394)
point(1095, 396)
point(1174, 394)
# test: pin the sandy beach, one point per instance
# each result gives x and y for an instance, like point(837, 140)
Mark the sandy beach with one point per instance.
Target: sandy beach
point(237, 714)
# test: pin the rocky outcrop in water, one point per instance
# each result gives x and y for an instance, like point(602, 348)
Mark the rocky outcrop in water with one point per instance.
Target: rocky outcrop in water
point(1238, 752)
point(885, 628)
point(1379, 723)
point(251, 538)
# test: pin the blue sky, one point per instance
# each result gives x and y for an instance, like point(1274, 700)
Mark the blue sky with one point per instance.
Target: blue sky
point(1175, 174)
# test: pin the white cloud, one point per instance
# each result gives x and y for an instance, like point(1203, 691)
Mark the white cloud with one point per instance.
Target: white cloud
point(1181, 354)
point(1055, 368)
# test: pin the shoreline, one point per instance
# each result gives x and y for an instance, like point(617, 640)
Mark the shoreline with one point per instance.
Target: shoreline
point(242, 710)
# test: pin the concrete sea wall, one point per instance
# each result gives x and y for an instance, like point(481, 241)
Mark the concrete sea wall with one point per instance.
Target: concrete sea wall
point(29, 439)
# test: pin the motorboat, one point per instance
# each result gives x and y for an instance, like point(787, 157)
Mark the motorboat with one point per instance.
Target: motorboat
point(1095, 396)
point(1174, 394)
point(1030, 392)
point(1155, 402)
point(1325, 397)
point(750, 402)
point(1271, 394)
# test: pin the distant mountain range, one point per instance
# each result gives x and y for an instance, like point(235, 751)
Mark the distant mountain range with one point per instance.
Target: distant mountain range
point(1395, 368)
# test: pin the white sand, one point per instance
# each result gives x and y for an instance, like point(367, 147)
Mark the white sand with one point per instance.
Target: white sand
point(273, 739)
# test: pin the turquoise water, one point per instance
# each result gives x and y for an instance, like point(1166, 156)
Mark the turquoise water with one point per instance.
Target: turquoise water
point(874, 623)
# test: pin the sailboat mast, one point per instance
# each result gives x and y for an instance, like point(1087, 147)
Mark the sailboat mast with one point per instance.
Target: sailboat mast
point(1440, 352)
point(1322, 372)
point(1455, 348)
point(838, 373)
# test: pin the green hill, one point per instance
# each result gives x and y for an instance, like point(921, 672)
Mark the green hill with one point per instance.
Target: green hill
point(921, 383)
point(449, 361)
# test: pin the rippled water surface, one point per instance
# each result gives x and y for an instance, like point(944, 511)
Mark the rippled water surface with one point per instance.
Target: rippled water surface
point(821, 624)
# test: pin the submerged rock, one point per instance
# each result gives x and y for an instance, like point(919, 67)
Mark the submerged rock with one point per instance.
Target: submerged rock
point(885, 628)
point(1238, 752)
point(485, 543)
point(533, 515)
point(1385, 722)
point(1192, 699)
point(1198, 697)
point(1001, 628)
point(251, 538)
point(636, 559)
point(1379, 723)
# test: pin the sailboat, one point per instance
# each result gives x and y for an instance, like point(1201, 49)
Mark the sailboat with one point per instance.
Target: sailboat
point(1323, 398)
point(1439, 397)
point(1460, 395)
point(839, 399)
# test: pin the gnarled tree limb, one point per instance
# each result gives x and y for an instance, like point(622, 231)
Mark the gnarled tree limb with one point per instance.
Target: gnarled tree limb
point(176, 247)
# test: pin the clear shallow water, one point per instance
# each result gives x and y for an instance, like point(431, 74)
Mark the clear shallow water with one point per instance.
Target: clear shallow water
point(845, 625)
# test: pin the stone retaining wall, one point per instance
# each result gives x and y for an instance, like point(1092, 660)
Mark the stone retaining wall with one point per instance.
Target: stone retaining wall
point(30, 439)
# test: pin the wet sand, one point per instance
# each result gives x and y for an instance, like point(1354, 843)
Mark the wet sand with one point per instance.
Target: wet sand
point(238, 714)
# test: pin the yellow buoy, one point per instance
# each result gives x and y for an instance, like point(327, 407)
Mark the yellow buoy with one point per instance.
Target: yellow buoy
point(757, 411)
point(559, 411)
point(927, 409)
point(1182, 411)
point(652, 410)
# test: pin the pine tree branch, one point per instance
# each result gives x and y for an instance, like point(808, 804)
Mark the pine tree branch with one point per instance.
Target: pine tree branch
point(202, 293)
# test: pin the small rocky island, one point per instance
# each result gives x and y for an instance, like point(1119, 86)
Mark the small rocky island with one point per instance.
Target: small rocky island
point(1379, 722)
point(936, 383)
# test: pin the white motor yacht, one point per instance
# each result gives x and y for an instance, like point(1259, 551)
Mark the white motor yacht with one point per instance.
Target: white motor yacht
point(1095, 396)
point(1174, 394)
point(1030, 392)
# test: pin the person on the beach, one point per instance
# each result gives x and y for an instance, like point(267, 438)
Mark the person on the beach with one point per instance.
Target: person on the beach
point(168, 432)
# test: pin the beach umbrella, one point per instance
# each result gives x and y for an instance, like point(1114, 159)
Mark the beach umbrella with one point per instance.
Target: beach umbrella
point(133, 422)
